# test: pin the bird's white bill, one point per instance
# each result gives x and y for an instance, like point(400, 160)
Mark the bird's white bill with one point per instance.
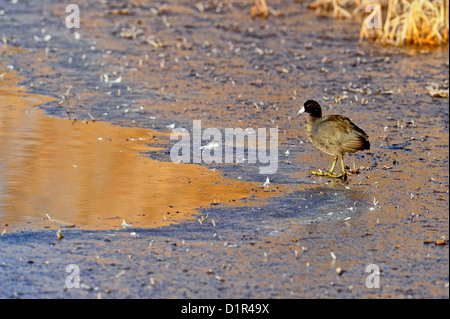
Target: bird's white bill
point(301, 110)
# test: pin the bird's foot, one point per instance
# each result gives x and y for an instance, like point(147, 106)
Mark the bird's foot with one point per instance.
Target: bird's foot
point(327, 174)
point(342, 175)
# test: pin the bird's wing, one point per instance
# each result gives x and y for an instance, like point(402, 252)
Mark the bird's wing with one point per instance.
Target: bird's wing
point(340, 131)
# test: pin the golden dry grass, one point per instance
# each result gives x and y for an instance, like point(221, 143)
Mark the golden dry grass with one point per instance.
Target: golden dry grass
point(394, 22)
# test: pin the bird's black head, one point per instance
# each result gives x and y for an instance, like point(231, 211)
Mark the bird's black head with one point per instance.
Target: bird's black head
point(311, 107)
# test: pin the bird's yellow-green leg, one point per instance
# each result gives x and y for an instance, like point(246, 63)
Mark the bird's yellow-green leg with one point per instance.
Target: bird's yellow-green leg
point(332, 166)
point(344, 173)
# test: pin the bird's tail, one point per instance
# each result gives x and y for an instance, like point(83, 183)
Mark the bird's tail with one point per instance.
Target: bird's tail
point(366, 145)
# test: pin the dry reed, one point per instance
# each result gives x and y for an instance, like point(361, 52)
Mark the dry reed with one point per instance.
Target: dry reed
point(406, 22)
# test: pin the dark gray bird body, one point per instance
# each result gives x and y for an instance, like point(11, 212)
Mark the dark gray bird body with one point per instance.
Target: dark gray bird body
point(336, 135)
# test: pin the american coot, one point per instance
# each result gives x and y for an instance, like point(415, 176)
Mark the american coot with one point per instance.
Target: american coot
point(333, 134)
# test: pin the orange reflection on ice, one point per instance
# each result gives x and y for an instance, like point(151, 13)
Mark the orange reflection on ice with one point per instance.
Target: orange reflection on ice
point(91, 174)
